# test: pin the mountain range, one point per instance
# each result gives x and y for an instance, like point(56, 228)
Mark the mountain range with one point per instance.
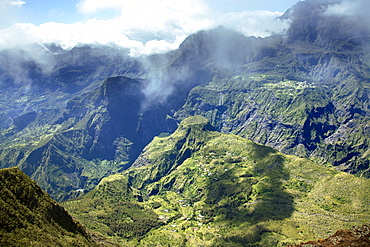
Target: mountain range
point(254, 138)
point(202, 187)
point(305, 92)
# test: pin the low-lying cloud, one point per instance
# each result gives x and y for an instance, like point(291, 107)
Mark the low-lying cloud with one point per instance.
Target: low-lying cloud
point(350, 8)
point(258, 23)
point(355, 12)
point(159, 27)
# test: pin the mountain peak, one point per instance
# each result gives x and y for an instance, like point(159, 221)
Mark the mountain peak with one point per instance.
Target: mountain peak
point(322, 22)
point(197, 121)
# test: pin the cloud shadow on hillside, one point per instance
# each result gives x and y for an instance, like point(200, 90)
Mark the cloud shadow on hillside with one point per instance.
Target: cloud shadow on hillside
point(252, 198)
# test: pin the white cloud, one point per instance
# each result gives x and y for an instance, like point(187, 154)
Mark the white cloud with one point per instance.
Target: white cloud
point(161, 18)
point(68, 35)
point(17, 3)
point(159, 27)
point(254, 23)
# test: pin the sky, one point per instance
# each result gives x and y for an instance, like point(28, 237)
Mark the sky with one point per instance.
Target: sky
point(143, 26)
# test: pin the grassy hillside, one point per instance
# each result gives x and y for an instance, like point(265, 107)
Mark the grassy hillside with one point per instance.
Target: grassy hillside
point(201, 187)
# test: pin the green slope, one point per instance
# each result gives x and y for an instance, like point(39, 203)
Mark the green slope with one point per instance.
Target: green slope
point(28, 216)
point(201, 187)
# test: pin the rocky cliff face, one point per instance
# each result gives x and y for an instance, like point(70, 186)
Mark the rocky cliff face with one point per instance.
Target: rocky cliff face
point(356, 236)
point(305, 94)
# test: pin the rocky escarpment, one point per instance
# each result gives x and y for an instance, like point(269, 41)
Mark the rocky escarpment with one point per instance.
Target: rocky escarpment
point(357, 236)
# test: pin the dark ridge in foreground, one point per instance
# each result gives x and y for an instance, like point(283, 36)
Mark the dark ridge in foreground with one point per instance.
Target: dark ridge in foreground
point(28, 216)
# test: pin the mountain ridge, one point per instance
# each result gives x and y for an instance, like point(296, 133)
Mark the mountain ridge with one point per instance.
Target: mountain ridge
point(29, 216)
